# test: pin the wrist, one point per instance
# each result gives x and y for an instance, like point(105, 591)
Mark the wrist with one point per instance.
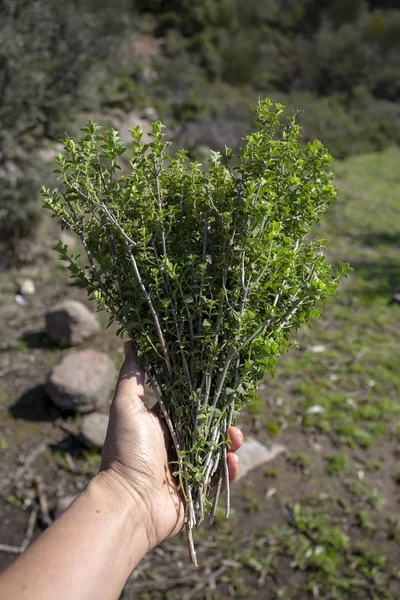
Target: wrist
point(123, 507)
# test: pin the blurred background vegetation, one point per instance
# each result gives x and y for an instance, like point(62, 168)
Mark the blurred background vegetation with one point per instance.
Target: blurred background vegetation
point(201, 65)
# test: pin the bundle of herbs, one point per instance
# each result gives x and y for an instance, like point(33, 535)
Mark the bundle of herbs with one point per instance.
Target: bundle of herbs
point(207, 271)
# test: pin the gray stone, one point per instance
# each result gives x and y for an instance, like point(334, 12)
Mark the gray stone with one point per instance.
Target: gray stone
point(70, 323)
point(62, 504)
point(94, 428)
point(48, 154)
point(26, 287)
point(68, 239)
point(253, 454)
point(132, 119)
point(318, 348)
point(395, 298)
point(150, 113)
point(11, 172)
point(83, 381)
point(204, 150)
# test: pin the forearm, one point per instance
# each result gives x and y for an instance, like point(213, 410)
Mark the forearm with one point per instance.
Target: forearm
point(88, 553)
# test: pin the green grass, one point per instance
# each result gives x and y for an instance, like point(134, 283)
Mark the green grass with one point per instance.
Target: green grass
point(301, 460)
point(336, 463)
point(329, 553)
point(356, 377)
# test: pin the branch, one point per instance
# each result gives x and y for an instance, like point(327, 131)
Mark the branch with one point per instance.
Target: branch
point(164, 247)
point(226, 476)
point(175, 318)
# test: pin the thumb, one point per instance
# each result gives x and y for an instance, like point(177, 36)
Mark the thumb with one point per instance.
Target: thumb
point(130, 384)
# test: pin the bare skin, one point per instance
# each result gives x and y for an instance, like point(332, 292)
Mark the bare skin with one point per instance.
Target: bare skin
point(128, 508)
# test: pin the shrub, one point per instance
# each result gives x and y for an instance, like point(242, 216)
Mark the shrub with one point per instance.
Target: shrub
point(52, 56)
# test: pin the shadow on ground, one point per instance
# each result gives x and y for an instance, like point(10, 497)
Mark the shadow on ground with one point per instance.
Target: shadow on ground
point(382, 238)
point(34, 405)
point(380, 278)
point(37, 339)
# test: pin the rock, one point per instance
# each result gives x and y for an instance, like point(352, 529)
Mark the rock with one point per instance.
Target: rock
point(48, 154)
point(318, 348)
point(204, 150)
point(70, 323)
point(395, 298)
point(68, 239)
point(94, 428)
point(26, 287)
point(82, 381)
point(123, 121)
point(252, 454)
point(132, 119)
point(27, 252)
point(150, 114)
point(62, 504)
point(316, 409)
point(11, 172)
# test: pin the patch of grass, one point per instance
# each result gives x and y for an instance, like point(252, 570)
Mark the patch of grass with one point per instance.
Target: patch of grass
point(60, 460)
point(262, 567)
point(364, 493)
point(254, 504)
point(50, 359)
point(18, 345)
point(301, 460)
point(271, 473)
point(373, 465)
point(91, 458)
point(396, 477)
point(256, 407)
point(335, 565)
point(336, 463)
point(272, 428)
point(394, 528)
point(14, 500)
point(365, 522)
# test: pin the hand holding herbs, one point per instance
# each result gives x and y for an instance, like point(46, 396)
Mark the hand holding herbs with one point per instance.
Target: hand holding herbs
point(135, 457)
point(208, 272)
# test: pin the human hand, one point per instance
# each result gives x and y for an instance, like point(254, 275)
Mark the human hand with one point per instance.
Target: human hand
point(135, 455)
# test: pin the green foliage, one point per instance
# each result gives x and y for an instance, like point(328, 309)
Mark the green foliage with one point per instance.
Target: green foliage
point(47, 58)
point(339, 60)
point(208, 273)
point(52, 57)
point(19, 199)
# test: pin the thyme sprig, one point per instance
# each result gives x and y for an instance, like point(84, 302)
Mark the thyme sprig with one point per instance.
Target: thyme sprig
point(207, 272)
